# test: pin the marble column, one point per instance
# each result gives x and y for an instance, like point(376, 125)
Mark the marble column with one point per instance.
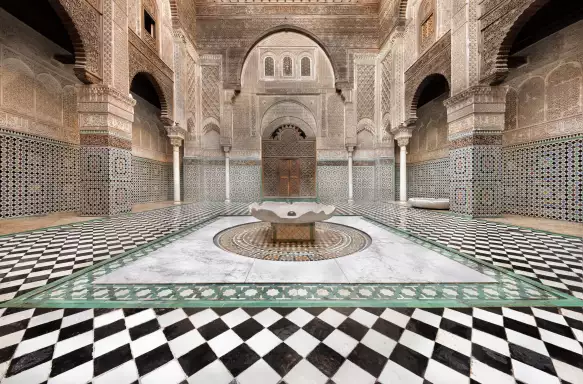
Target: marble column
point(403, 169)
point(350, 149)
point(402, 135)
point(105, 122)
point(227, 150)
point(176, 135)
point(176, 168)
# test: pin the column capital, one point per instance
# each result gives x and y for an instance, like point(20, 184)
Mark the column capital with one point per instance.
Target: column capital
point(350, 144)
point(225, 143)
point(404, 132)
point(176, 134)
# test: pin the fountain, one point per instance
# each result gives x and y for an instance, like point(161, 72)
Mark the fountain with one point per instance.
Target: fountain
point(292, 222)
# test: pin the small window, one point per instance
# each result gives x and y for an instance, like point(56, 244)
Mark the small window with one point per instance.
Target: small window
point(287, 66)
point(149, 24)
point(427, 31)
point(306, 68)
point(269, 67)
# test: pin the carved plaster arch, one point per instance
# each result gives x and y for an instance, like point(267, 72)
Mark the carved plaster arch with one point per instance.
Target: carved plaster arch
point(365, 125)
point(287, 120)
point(286, 28)
point(209, 124)
point(306, 115)
point(164, 94)
point(412, 115)
point(83, 26)
point(504, 33)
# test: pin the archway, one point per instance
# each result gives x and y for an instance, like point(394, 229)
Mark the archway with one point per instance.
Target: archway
point(544, 108)
point(52, 20)
point(288, 163)
point(427, 152)
point(280, 29)
point(151, 149)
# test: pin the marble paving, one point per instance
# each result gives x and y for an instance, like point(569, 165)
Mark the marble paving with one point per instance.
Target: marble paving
point(195, 259)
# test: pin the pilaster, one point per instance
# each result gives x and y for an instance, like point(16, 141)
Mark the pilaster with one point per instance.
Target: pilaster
point(105, 122)
point(476, 121)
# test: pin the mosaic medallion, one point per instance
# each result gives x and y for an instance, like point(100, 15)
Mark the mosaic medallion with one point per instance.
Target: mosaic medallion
point(256, 240)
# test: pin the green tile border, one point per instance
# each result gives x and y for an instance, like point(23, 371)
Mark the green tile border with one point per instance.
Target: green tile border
point(560, 299)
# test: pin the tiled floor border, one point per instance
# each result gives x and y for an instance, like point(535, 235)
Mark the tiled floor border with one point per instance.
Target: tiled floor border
point(561, 299)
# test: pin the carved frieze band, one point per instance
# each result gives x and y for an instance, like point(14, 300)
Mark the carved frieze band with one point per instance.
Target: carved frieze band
point(104, 140)
point(490, 138)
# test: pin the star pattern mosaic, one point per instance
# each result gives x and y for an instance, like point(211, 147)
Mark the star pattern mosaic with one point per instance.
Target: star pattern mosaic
point(292, 345)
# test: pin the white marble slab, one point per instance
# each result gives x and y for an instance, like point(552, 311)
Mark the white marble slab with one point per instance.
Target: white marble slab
point(389, 259)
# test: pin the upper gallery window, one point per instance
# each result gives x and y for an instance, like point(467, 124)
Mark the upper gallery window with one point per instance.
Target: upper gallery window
point(149, 24)
point(269, 67)
point(427, 25)
point(287, 66)
point(306, 67)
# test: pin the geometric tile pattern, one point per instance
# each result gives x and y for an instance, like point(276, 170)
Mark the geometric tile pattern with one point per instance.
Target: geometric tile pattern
point(151, 180)
point(331, 178)
point(256, 240)
point(37, 176)
point(106, 180)
point(363, 182)
point(476, 180)
point(245, 181)
point(292, 345)
point(545, 179)
point(428, 179)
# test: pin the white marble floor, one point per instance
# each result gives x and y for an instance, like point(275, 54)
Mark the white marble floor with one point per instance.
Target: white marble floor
point(389, 259)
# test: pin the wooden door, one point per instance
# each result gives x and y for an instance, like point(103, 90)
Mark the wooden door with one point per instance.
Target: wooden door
point(289, 177)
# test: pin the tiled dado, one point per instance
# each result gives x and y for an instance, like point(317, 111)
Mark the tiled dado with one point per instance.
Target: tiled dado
point(37, 175)
point(332, 180)
point(106, 180)
point(545, 179)
point(385, 187)
point(245, 178)
point(204, 179)
point(475, 166)
point(429, 178)
point(151, 180)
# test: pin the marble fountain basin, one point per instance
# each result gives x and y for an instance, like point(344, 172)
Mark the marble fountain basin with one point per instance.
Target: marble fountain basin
point(292, 222)
point(295, 213)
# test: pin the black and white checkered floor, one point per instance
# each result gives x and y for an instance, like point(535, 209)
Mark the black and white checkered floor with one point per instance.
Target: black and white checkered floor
point(293, 345)
point(289, 345)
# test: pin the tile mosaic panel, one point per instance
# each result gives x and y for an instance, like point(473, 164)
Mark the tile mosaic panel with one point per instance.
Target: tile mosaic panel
point(545, 179)
point(245, 182)
point(38, 176)
point(476, 180)
point(106, 180)
point(363, 181)
point(192, 180)
point(385, 188)
point(213, 180)
point(332, 182)
point(151, 180)
point(428, 179)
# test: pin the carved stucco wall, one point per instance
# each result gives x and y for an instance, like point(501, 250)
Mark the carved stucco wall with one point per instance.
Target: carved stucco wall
point(39, 130)
point(233, 29)
point(149, 139)
point(543, 129)
point(427, 157)
point(544, 97)
point(38, 93)
point(436, 60)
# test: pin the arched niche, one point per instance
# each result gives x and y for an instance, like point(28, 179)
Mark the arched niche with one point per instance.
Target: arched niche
point(74, 26)
point(308, 39)
point(288, 157)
